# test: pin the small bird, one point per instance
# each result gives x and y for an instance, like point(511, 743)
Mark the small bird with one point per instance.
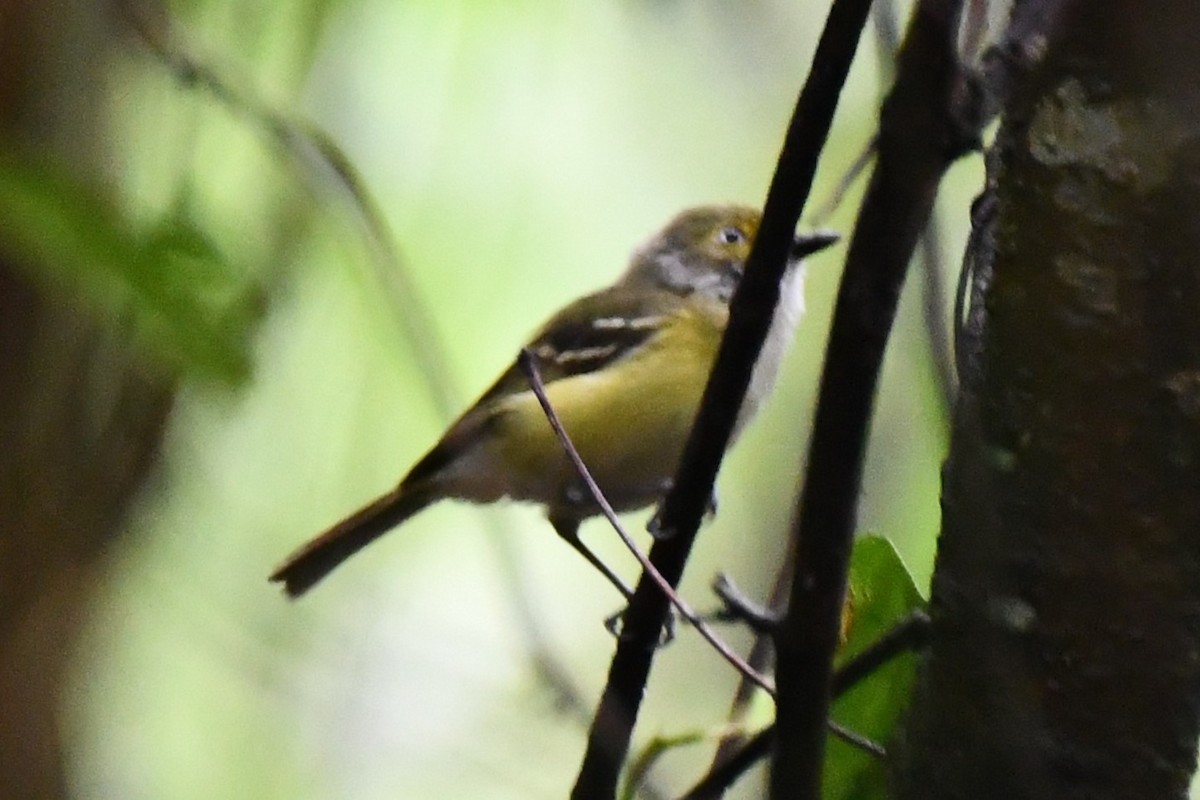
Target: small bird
point(624, 369)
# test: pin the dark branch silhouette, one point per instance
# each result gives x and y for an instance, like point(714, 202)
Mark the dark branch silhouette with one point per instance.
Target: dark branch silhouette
point(750, 314)
point(919, 138)
point(933, 115)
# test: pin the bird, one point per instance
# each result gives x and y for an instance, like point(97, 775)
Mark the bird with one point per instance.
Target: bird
point(624, 369)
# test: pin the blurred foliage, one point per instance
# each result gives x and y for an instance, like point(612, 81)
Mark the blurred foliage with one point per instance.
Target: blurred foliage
point(169, 287)
point(519, 151)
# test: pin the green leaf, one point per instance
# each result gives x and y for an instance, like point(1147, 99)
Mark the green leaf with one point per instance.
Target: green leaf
point(883, 595)
point(170, 288)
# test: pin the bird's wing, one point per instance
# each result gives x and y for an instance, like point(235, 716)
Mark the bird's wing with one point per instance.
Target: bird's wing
point(583, 337)
point(588, 335)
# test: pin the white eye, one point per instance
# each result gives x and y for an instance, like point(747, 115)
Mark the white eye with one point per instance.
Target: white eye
point(730, 236)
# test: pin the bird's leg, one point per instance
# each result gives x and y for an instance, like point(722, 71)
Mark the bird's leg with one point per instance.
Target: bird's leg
point(568, 529)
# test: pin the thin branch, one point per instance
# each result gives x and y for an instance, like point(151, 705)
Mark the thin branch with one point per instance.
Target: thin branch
point(528, 365)
point(871, 748)
point(762, 656)
point(723, 775)
point(751, 313)
point(919, 138)
point(885, 15)
point(820, 217)
point(909, 635)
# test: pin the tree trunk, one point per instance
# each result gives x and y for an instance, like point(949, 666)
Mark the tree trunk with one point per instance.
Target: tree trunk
point(1066, 601)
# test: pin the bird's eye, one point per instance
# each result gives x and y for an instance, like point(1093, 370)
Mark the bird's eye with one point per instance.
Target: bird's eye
point(730, 236)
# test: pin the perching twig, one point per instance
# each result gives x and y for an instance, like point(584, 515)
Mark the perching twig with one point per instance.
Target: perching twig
point(527, 362)
point(751, 312)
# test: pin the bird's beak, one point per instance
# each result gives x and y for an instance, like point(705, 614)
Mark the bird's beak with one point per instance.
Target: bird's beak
point(807, 244)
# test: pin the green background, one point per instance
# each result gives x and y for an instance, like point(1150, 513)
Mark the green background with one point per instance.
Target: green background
point(519, 151)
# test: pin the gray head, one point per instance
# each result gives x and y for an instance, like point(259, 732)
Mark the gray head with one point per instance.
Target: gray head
point(704, 249)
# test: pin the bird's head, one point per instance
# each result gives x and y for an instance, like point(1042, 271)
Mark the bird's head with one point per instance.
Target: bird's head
point(704, 249)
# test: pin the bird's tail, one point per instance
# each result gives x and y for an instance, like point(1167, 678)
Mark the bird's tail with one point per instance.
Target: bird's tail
point(308, 565)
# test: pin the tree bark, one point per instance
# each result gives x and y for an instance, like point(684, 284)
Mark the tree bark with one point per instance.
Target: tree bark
point(1066, 600)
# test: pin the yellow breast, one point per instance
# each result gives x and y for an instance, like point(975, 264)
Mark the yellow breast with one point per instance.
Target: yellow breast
point(629, 420)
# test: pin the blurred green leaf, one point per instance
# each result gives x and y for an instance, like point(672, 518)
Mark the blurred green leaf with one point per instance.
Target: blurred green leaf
point(170, 288)
point(884, 594)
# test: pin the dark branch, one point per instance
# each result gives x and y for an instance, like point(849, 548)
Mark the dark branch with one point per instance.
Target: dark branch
point(919, 138)
point(909, 635)
point(750, 316)
point(724, 774)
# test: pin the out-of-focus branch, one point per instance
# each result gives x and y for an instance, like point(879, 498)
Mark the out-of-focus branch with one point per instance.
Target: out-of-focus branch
point(933, 283)
point(819, 218)
point(323, 160)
